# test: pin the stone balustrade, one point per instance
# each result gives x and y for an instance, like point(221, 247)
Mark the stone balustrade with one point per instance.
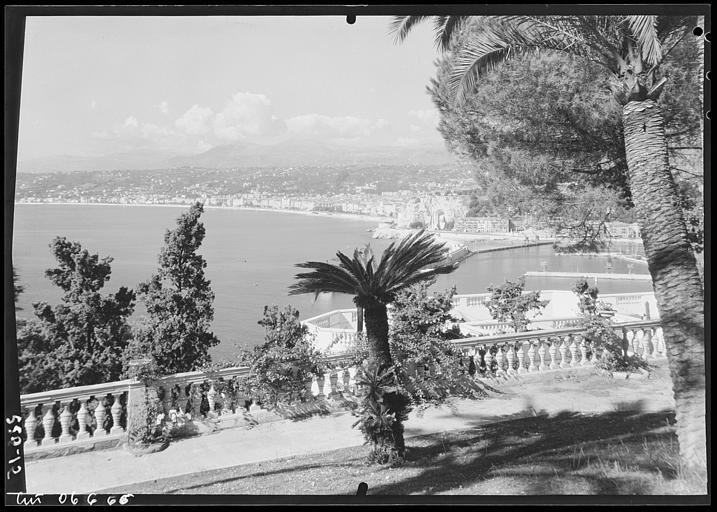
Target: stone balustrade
point(88, 413)
point(76, 414)
point(536, 351)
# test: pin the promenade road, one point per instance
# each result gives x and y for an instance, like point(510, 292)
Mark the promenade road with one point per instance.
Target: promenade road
point(577, 390)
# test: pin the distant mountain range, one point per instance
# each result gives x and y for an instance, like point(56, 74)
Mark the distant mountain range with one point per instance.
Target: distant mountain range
point(287, 153)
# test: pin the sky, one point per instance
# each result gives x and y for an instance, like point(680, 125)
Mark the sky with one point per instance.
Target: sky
point(99, 85)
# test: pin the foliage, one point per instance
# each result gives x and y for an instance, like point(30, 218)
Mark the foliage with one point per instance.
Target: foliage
point(178, 299)
point(508, 303)
point(383, 409)
point(285, 362)
point(82, 340)
point(613, 358)
point(416, 258)
point(543, 120)
point(587, 297)
point(147, 420)
point(430, 368)
point(600, 333)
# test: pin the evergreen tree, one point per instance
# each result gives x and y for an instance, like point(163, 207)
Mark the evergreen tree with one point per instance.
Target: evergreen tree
point(178, 299)
point(508, 303)
point(81, 341)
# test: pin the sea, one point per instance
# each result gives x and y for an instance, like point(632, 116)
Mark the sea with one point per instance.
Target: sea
point(251, 258)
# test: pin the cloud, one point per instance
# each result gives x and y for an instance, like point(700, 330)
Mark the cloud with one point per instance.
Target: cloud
point(163, 107)
point(247, 115)
point(203, 146)
point(345, 127)
point(152, 131)
point(93, 104)
point(406, 141)
point(195, 121)
point(426, 116)
point(131, 122)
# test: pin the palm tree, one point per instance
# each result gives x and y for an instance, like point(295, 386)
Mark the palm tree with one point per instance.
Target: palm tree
point(631, 49)
point(414, 259)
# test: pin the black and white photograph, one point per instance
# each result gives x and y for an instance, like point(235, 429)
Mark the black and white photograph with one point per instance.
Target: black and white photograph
point(356, 254)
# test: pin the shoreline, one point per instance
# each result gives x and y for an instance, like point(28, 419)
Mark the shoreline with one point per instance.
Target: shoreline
point(347, 216)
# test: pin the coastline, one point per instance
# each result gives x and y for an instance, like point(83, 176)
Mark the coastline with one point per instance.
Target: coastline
point(348, 216)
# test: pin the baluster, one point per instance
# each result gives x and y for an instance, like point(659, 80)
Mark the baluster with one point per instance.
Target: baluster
point(625, 342)
point(649, 345)
point(499, 361)
point(211, 398)
point(226, 405)
point(65, 420)
point(327, 383)
point(31, 427)
point(573, 352)
point(116, 411)
point(320, 384)
point(631, 342)
point(552, 350)
point(531, 358)
point(641, 341)
point(346, 380)
point(196, 394)
point(82, 418)
point(488, 358)
point(541, 353)
point(510, 357)
point(100, 415)
point(521, 357)
point(583, 353)
point(563, 352)
point(48, 421)
point(660, 342)
point(312, 387)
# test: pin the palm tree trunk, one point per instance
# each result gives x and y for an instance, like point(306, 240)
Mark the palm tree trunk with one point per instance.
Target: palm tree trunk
point(376, 318)
point(676, 281)
point(359, 319)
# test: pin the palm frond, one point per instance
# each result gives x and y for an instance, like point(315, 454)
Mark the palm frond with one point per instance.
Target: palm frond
point(402, 25)
point(446, 27)
point(644, 30)
point(509, 37)
point(324, 278)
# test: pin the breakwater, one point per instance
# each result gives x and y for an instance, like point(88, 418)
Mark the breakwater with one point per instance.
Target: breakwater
point(591, 275)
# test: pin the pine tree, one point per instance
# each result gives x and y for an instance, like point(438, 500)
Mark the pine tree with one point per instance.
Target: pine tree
point(82, 340)
point(178, 299)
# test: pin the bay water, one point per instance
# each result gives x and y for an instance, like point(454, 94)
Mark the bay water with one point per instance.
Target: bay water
point(251, 256)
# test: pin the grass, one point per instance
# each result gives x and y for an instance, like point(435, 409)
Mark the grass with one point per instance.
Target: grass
point(621, 452)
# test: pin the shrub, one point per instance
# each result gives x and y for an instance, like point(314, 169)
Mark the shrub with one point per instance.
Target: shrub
point(147, 420)
point(601, 333)
point(284, 363)
point(429, 366)
point(508, 303)
point(383, 409)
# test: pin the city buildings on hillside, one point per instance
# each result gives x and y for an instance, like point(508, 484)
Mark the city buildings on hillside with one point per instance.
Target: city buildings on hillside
point(484, 225)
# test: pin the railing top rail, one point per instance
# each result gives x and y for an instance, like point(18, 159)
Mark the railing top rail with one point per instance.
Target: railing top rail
point(101, 390)
point(543, 292)
point(97, 390)
point(328, 314)
point(491, 340)
point(201, 376)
